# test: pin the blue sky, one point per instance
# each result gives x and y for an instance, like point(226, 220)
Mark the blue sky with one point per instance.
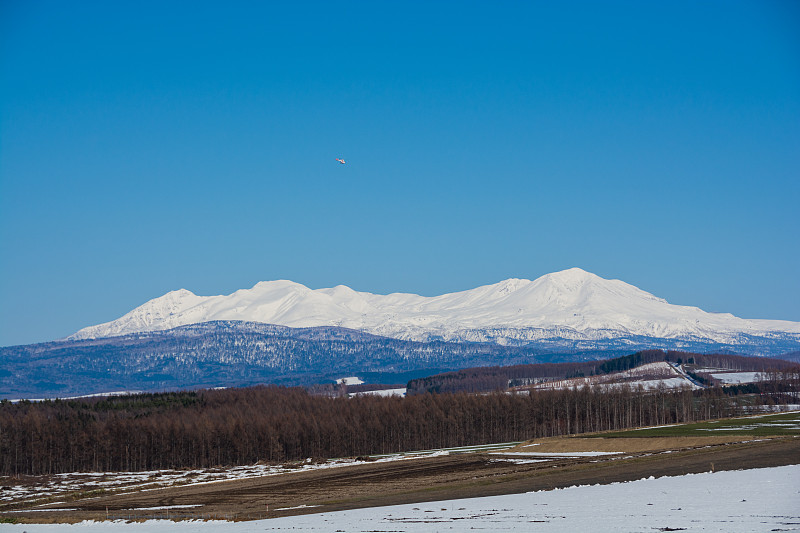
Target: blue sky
point(151, 146)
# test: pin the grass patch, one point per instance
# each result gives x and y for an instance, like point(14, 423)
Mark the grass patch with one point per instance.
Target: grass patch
point(761, 426)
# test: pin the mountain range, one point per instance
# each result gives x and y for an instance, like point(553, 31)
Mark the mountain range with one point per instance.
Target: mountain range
point(568, 305)
point(285, 333)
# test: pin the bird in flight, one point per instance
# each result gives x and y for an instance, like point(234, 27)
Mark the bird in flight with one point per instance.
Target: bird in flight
point(340, 160)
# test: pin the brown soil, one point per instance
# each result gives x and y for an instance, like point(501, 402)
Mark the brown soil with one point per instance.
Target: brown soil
point(430, 479)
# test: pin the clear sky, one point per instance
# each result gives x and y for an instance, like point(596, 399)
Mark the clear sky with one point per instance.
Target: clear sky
point(151, 146)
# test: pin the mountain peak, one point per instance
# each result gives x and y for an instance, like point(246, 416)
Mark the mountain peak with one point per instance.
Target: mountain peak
point(180, 293)
point(572, 275)
point(277, 284)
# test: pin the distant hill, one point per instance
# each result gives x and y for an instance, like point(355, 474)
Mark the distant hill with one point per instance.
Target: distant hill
point(235, 353)
point(486, 379)
point(791, 356)
point(228, 354)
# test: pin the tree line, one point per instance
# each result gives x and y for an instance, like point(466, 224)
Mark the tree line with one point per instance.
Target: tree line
point(211, 428)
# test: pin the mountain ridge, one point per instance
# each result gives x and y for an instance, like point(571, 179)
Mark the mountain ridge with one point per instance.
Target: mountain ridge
point(572, 303)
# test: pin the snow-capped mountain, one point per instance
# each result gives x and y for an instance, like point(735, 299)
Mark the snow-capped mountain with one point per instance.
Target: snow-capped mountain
point(572, 304)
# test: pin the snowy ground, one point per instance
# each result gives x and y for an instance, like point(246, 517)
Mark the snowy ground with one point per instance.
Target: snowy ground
point(738, 501)
point(650, 376)
point(733, 378)
point(352, 380)
point(383, 392)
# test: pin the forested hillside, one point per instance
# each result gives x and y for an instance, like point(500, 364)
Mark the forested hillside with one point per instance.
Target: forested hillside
point(236, 354)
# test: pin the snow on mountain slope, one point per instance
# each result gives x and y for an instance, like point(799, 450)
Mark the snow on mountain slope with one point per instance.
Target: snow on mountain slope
point(569, 304)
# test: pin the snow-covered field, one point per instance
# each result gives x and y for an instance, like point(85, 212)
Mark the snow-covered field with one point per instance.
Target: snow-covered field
point(734, 378)
point(737, 501)
point(352, 380)
point(649, 376)
point(383, 392)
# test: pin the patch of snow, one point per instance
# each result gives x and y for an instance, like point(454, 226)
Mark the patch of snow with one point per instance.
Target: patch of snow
point(38, 510)
point(163, 507)
point(296, 507)
point(653, 384)
point(384, 392)
point(353, 380)
point(519, 461)
point(93, 395)
point(734, 378)
point(657, 427)
point(556, 454)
